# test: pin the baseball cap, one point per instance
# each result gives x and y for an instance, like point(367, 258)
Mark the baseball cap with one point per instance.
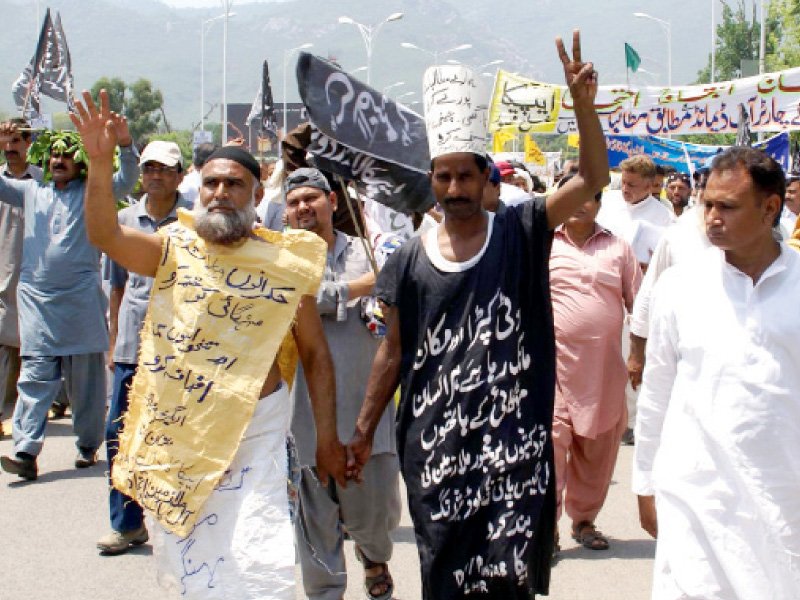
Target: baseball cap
point(165, 153)
point(307, 177)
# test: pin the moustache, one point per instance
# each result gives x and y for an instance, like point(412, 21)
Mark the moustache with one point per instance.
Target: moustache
point(453, 199)
point(11, 153)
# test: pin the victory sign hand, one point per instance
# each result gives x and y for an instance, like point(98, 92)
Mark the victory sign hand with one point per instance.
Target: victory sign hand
point(580, 76)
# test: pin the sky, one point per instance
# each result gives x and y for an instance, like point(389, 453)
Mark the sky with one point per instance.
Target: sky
point(203, 3)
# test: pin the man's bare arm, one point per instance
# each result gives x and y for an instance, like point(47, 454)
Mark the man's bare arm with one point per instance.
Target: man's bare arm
point(318, 369)
point(115, 301)
point(361, 286)
point(382, 383)
point(592, 173)
point(135, 250)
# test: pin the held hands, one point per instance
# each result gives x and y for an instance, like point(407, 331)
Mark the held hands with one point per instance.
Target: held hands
point(101, 129)
point(358, 452)
point(331, 460)
point(580, 76)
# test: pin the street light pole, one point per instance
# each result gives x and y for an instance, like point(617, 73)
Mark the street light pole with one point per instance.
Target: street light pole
point(227, 5)
point(435, 53)
point(668, 31)
point(286, 56)
point(368, 34)
point(203, 32)
point(762, 43)
point(713, 42)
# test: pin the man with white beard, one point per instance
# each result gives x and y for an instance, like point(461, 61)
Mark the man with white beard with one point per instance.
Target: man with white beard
point(223, 530)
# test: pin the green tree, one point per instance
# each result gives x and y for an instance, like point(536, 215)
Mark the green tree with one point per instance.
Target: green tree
point(787, 40)
point(738, 38)
point(139, 102)
point(143, 108)
point(116, 92)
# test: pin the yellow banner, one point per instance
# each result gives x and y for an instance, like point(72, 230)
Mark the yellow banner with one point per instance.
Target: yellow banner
point(534, 154)
point(523, 105)
point(216, 320)
point(501, 138)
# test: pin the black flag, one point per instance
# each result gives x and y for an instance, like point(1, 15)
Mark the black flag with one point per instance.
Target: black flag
point(48, 73)
point(362, 135)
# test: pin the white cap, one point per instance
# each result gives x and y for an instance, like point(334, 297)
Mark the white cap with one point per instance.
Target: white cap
point(165, 153)
point(456, 110)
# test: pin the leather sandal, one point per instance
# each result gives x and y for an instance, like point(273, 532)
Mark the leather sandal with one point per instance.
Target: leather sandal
point(588, 536)
point(384, 578)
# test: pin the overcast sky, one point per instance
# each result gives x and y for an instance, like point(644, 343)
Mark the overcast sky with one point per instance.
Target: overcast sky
point(204, 3)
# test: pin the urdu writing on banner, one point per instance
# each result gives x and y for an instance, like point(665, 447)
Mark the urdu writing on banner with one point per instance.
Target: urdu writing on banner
point(771, 101)
point(216, 321)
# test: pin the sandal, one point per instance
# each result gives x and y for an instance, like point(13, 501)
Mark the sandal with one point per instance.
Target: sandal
point(384, 578)
point(588, 536)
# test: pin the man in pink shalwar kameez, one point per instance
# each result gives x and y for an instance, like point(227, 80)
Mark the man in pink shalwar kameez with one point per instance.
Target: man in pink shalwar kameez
point(594, 277)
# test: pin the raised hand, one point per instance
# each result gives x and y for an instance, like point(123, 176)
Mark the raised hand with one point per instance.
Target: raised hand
point(581, 77)
point(121, 129)
point(8, 131)
point(96, 126)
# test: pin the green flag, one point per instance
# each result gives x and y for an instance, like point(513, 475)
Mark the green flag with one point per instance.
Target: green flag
point(632, 60)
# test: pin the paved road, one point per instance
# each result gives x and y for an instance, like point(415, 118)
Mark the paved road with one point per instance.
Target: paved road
point(48, 529)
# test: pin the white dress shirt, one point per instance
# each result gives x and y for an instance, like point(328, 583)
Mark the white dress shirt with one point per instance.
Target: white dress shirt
point(641, 224)
point(718, 430)
point(685, 240)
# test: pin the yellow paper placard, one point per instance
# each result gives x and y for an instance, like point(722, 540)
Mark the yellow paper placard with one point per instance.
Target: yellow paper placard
point(534, 154)
point(794, 242)
point(216, 320)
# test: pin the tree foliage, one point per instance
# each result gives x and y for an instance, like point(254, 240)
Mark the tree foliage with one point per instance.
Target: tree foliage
point(738, 38)
point(141, 104)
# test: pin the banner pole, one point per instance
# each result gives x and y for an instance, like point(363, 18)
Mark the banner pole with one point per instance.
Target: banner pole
point(360, 233)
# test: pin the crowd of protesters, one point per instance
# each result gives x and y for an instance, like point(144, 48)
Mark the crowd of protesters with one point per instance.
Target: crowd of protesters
point(641, 306)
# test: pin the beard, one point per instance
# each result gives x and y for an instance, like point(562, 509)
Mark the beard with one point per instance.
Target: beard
point(224, 228)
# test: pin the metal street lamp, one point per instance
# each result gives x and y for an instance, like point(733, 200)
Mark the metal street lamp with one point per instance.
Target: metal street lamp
point(668, 31)
point(226, 4)
point(435, 53)
point(713, 42)
point(393, 85)
point(286, 56)
point(369, 33)
point(406, 95)
point(203, 31)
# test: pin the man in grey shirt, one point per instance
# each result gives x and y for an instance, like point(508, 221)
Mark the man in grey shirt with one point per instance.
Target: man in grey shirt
point(15, 150)
point(60, 300)
point(371, 510)
point(162, 172)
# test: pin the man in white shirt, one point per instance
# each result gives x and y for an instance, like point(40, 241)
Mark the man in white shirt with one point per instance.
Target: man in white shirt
point(716, 462)
point(640, 219)
point(635, 214)
point(791, 208)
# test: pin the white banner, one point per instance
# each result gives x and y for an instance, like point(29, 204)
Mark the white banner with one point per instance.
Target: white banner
point(772, 101)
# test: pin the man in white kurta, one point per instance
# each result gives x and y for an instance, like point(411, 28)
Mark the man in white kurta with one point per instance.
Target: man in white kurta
point(718, 428)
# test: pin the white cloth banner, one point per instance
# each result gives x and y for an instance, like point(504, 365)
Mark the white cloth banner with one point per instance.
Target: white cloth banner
point(772, 101)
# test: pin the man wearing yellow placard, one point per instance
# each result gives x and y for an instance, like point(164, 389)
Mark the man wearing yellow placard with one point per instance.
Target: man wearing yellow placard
point(203, 445)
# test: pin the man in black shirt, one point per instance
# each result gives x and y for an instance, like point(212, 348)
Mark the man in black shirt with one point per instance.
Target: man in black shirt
point(470, 340)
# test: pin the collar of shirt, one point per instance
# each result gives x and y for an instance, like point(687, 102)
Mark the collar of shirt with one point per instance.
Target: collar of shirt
point(598, 230)
point(31, 171)
point(141, 211)
point(779, 265)
point(339, 246)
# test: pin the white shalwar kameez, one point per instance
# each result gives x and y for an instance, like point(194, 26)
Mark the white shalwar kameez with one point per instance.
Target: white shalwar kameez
point(242, 547)
point(718, 430)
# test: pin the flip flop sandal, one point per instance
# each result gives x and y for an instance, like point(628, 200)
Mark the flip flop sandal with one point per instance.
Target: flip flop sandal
point(384, 578)
point(588, 536)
